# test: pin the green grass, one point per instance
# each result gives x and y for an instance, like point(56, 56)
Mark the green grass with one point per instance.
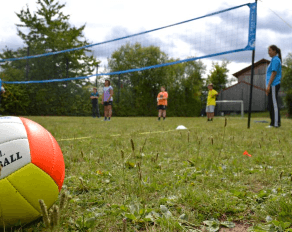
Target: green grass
point(171, 180)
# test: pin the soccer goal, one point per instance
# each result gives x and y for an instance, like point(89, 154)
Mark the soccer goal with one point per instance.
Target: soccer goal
point(225, 102)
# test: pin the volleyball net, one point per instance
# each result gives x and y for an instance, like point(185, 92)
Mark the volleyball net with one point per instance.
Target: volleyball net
point(223, 32)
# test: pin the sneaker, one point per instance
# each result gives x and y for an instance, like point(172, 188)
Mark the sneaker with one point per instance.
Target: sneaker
point(105, 120)
point(109, 119)
point(269, 126)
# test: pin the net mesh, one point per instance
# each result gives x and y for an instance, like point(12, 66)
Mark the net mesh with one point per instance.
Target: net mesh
point(223, 32)
point(218, 33)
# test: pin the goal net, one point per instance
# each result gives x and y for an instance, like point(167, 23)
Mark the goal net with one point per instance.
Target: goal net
point(230, 107)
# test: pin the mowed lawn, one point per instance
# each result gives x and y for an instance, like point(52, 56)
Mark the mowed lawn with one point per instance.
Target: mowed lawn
point(140, 174)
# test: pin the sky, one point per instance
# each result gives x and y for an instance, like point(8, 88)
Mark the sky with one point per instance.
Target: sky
point(114, 18)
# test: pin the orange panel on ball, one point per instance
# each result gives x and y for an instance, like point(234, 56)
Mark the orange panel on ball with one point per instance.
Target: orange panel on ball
point(45, 151)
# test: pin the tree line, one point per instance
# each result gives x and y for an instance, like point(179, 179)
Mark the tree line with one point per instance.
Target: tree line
point(135, 93)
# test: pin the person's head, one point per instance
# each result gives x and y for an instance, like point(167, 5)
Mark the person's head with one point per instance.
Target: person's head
point(107, 83)
point(274, 50)
point(94, 89)
point(162, 88)
point(210, 86)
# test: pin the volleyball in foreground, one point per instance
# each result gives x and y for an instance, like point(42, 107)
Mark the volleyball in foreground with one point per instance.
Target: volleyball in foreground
point(32, 169)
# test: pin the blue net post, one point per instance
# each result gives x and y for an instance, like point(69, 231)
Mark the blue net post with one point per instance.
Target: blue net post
point(252, 39)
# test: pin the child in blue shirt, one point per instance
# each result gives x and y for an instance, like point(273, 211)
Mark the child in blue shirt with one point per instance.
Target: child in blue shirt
point(273, 80)
point(94, 100)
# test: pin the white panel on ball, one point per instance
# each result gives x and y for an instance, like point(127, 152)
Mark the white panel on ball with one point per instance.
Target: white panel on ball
point(11, 128)
point(13, 156)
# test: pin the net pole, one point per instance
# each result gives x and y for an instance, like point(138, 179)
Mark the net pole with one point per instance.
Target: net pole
point(251, 86)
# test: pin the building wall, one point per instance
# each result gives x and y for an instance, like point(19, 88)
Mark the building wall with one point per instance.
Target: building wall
point(241, 91)
point(259, 76)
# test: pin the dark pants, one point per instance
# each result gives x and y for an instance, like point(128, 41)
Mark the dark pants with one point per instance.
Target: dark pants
point(95, 110)
point(273, 105)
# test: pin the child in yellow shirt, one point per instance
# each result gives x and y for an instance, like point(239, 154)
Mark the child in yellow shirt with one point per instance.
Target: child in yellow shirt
point(211, 102)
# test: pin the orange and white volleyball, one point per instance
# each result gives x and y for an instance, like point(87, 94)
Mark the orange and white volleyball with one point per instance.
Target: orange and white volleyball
point(32, 169)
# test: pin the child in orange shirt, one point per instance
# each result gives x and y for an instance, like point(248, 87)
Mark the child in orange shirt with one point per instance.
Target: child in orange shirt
point(162, 103)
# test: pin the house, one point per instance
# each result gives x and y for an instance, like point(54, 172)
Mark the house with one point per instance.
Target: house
point(241, 90)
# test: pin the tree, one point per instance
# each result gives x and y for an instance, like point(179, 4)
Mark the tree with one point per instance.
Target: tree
point(287, 82)
point(139, 88)
point(138, 96)
point(49, 30)
point(218, 75)
point(185, 87)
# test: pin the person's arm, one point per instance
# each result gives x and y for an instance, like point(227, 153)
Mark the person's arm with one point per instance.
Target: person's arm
point(272, 78)
point(102, 98)
point(275, 66)
point(111, 94)
point(215, 93)
point(165, 98)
